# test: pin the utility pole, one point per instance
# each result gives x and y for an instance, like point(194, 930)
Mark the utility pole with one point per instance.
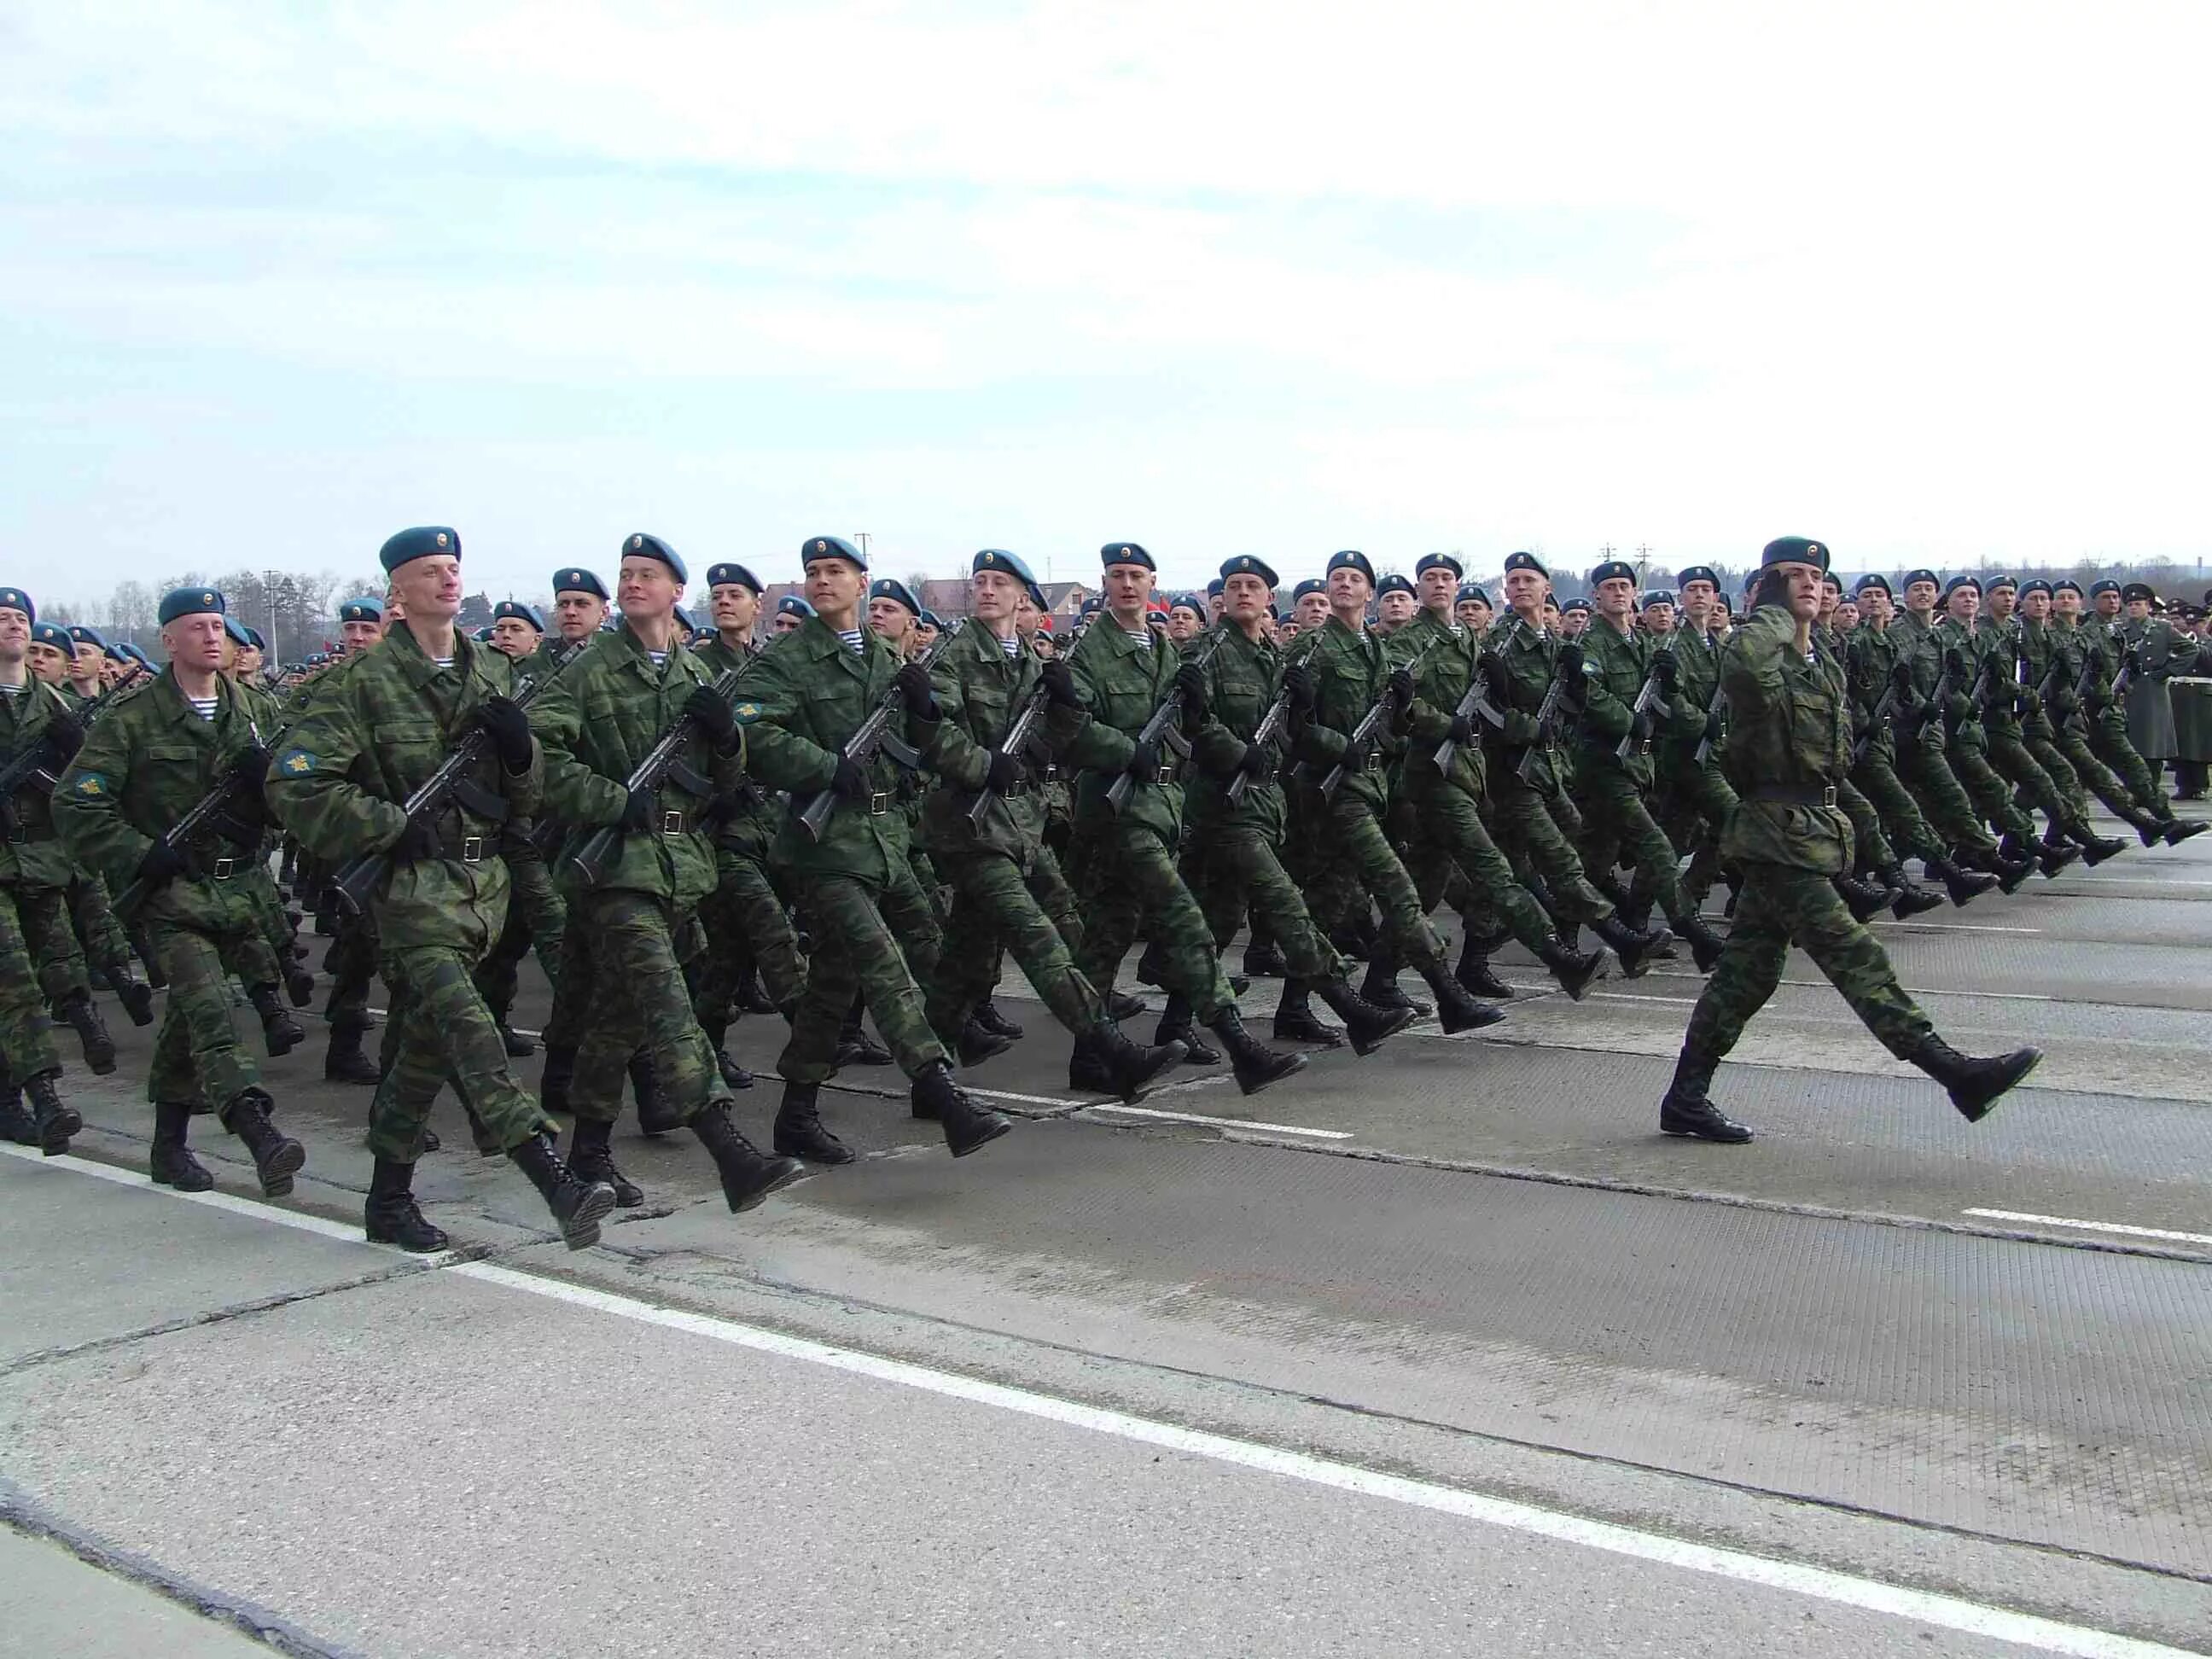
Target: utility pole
point(861, 536)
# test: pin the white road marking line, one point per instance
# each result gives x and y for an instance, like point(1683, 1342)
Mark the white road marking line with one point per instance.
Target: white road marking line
point(1023, 1100)
point(1823, 985)
point(1821, 1583)
point(1222, 1122)
point(2130, 881)
point(2095, 1226)
point(1953, 927)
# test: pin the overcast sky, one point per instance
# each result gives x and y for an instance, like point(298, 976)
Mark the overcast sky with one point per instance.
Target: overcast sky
point(1928, 281)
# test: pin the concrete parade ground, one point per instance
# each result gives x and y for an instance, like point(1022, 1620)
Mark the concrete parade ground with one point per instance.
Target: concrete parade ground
point(1444, 1352)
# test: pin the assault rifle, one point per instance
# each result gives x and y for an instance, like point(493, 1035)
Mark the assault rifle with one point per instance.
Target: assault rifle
point(1021, 736)
point(662, 761)
point(1269, 728)
point(1719, 711)
point(1164, 729)
point(1363, 735)
point(2128, 659)
point(1547, 718)
point(1646, 695)
point(874, 735)
point(90, 711)
point(358, 879)
point(1476, 703)
point(203, 813)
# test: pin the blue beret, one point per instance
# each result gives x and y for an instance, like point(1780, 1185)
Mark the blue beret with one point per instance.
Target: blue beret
point(1429, 561)
point(1214, 588)
point(367, 608)
point(2064, 583)
point(1998, 580)
point(1310, 585)
point(255, 638)
point(577, 580)
point(520, 611)
point(643, 546)
point(1527, 562)
point(1394, 583)
point(1090, 607)
point(14, 599)
point(1613, 570)
point(2035, 585)
point(1244, 564)
point(1471, 591)
point(51, 634)
point(682, 618)
point(831, 547)
point(1698, 573)
point(997, 558)
point(1574, 605)
point(420, 542)
point(1957, 582)
point(1190, 602)
point(1115, 553)
point(1912, 576)
point(931, 619)
point(890, 587)
point(1351, 560)
point(1872, 579)
point(188, 602)
point(1795, 550)
point(83, 635)
point(792, 605)
point(1657, 596)
point(2106, 586)
point(236, 629)
point(733, 575)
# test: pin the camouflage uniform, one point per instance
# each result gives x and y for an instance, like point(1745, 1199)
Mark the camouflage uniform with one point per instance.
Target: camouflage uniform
point(1871, 657)
point(2072, 724)
point(1611, 790)
point(1695, 800)
point(2108, 721)
point(747, 924)
point(1521, 812)
point(35, 871)
point(25, 1032)
point(1981, 652)
point(1923, 763)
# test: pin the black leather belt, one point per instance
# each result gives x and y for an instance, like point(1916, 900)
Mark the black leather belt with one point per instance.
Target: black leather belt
point(1796, 795)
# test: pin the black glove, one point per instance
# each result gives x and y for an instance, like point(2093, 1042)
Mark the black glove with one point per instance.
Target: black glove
point(1955, 663)
point(1190, 686)
point(418, 843)
point(1772, 588)
point(1257, 761)
point(1298, 681)
point(1144, 762)
point(1007, 774)
point(250, 767)
point(1713, 725)
point(508, 728)
point(1569, 664)
point(1462, 730)
point(1665, 672)
point(711, 718)
point(637, 812)
point(162, 863)
point(1495, 678)
point(912, 682)
point(1060, 684)
point(1900, 676)
point(1399, 688)
point(2131, 659)
point(64, 735)
point(851, 782)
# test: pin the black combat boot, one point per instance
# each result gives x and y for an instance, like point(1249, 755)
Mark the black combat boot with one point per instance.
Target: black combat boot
point(967, 1126)
point(854, 1046)
point(799, 1128)
point(1151, 966)
point(1960, 882)
point(1295, 1021)
point(553, 1083)
point(1636, 950)
point(655, 1116)
point(132, 992)
point(2010, 872)
point(591, 1159)
point(1686, 1110)
point(298, 983)
point(1263, 959)
point(1120, 1005)
point(2053, 854)
point(2095, 849)
point(277, 1156)
point(751, 995)
point(1476, 973)
point(1107, 1061)
point(1255, 1064)
point(748, 1175)
point(171, 1164)
point(77, 1011)
point(55, 1121)
point(390, 1215)
point(344, 1062)
point(2149, 829)
point(1862, 899)
point(2180, 830)
point(578, 1206)
point(517, 1046)
point(987, 1015)
point(1380, 985)
point(974, 1044)
point(1705, 945)
point(734, 1076)
point(1575, 970)
point(1911, 898)
point(1455, 1010)
point(1974, 1085)
point(16, 1122)
point(280, 1032)
point(1176, 1026)
point(1364, 1023)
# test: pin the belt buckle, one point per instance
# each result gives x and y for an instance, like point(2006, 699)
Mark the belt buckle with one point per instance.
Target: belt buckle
point(672, 824)
point(223, 869)
point(1373, 762)
point(472, 849)
point(1168, 771)
point(1051, 773)
point(1645, 747)
point(879, 803)
point(1828, 796)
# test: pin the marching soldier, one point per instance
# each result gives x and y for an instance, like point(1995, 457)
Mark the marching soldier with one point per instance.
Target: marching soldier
point(535, 916)
point(2157, 652)
point(154, 756)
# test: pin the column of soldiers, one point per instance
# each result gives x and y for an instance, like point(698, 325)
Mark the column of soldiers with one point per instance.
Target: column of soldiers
point(869, 811)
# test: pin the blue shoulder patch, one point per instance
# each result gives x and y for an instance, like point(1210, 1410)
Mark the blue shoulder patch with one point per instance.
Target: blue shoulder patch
point(295, 763)
point(92, 785)
point(747, 713)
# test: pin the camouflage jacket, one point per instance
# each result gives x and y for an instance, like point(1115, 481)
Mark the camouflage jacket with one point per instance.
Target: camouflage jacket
point(1696, 683)
point(1446, 656)
point(1243, 677)
point(1791, 732)
point(979, 691)
point(1350, 670)
point(595, 719)
point(750, 823)
point(370, 733)
point(1917, 644)
point(31, 853)
point(1614, 667)
point(1531, 656)
point(1122, 683)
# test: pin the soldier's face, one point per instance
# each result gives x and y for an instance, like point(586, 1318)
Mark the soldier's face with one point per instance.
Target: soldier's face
point(924, 637)
point(2066, 602)
point(1438, 587)
point(48, 663)
point(1805, 590)
point(2036, 606)
point(360, 635)
point(1397, 608)
point(1697, 602)
point(1312, 610)
point(787, 623)
point(2138, 609)
point(1184, 624)
point(14, 633)
point(734, 607)
point(514, 637)
point(1525, 591)
point(1963, 604)
point(1572, 623)
point(1831, 597)
point(996, 596)
point(88, 660)
point(1472, 613)
point(1216, 607)
point(249, 659)
point(1127, 587)
point(891, 619)
point(1659, 618)
point(1920, 597)
point(197, 642)
point(2108, 604)
point(1614, 596)
point(645, 590)
point(1347, 593)
point(2002, 602)
point(577, 615)
point(430, 588)
point(835, 586)
point(1847, 616)
point(1245, 599)
point(1874, 605)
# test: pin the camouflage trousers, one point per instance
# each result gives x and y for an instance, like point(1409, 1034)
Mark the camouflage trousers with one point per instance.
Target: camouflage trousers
point(97, 930)
point(1449, 837)
point(2010, 758)
point(27, 1035)
point(2072, 744)
point(1616, 823)
point(198, 1060)
point(1992, 796)
point(1349, 837)
point(1525, 830)
point(873, 942)
point(1694, 801)
point(1231, 872)
point(1777, 905)
point(747, 926)
point(535, 916)
point(622, 944)
point(353, 970)
point(1130, 885)
point(1874, 776)
point(1872, 847)
point(1926, 773)
point(43, 914)
point(996, 904)
point(443, 1033)
point(2109, 741)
